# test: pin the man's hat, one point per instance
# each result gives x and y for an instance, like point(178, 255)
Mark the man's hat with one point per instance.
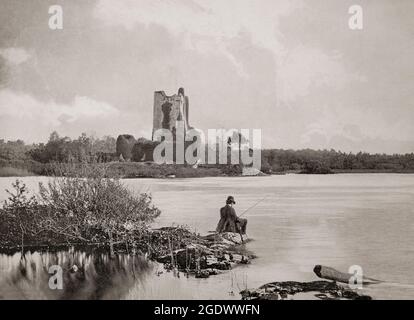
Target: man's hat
point(230, 199)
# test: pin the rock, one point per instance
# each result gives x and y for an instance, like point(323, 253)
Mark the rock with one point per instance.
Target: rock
point(218, 247)
point(222, 265)
point(273, 296)
point(202, 274)
point(250, 171)
point(216, 263)
point(283, 294)
point(234, 237)
point(323, 290)
point(240, 259)
point(207, 254)
point(211, 261)
point(213, 237)
point(164, 259)
point(187, 258)
point(212, 271)
point(168, 266)
point(225, 238)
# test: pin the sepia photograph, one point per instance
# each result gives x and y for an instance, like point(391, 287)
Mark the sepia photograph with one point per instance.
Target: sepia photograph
point(207, 150)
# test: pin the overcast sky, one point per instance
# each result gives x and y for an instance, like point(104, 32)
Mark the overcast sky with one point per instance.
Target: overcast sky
point(291, 68)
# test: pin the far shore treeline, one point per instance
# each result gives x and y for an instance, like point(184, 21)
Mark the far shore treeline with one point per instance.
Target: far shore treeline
point(20, 159)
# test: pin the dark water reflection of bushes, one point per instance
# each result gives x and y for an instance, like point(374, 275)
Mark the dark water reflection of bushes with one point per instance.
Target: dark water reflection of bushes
point(97, 276)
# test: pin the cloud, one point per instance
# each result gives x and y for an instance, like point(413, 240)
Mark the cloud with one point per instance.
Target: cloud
point(292, 68)
point(305, 68)
point(352, 133)
point(210, 27)
point(14, 56)
point(26, 107)
point(214, 19)
point(206, 27)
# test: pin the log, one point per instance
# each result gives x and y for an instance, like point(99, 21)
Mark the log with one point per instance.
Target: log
point(335, 275)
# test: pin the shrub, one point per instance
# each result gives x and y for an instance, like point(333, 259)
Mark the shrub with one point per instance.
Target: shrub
point(80, 206)
point(14, 172)
point(18, 216)
point(90, 207)
point(316, 167)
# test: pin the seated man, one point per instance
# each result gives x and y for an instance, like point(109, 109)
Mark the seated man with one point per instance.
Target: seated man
point(229, 222)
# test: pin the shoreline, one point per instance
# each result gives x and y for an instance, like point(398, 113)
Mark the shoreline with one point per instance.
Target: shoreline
point(205, 256)
point(148, 170)
point(176, 248)
point(142, 170)
point(229, 176)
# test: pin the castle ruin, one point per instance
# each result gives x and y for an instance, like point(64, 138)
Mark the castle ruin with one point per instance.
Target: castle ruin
point(170, 109)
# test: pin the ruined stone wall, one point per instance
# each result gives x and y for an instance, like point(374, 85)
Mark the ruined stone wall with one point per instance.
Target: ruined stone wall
point(169, 109)
point(124, 145)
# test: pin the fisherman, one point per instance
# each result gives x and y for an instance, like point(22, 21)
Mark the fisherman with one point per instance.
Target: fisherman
point(229, 222)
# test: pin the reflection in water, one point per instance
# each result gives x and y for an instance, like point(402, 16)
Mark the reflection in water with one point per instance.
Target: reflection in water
point(97, 276)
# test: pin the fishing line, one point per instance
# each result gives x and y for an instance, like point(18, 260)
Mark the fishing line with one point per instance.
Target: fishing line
point(245, 211)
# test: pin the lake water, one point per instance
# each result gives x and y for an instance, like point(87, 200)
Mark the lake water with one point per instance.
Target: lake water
point(335, 220)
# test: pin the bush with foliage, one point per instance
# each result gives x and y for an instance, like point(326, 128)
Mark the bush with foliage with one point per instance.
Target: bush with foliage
point(316, 167)
point(18, 217)
point(80, 206)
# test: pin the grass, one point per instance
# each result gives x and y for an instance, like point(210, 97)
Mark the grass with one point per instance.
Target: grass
point(121, 169)
point(409, 170)
point(14, 172)
point(153, 170)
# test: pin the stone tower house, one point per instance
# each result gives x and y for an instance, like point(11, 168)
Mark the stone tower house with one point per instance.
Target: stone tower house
point(170, 109)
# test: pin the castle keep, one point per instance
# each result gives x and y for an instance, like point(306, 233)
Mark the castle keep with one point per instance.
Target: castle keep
point(183, 145)
point(170, 109)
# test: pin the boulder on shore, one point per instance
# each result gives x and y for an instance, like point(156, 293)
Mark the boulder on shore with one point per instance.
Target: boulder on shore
point(324, 290)
point(212, 252)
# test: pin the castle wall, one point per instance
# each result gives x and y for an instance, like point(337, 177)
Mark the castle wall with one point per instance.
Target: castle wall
point(169, 109)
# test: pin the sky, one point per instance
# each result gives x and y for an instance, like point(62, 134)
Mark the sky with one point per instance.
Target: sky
point(292, 68)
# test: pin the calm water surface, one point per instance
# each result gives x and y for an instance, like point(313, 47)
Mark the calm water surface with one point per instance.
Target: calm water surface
point(335, 220)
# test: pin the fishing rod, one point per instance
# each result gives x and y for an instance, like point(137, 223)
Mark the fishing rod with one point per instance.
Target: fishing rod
point(245, 211)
